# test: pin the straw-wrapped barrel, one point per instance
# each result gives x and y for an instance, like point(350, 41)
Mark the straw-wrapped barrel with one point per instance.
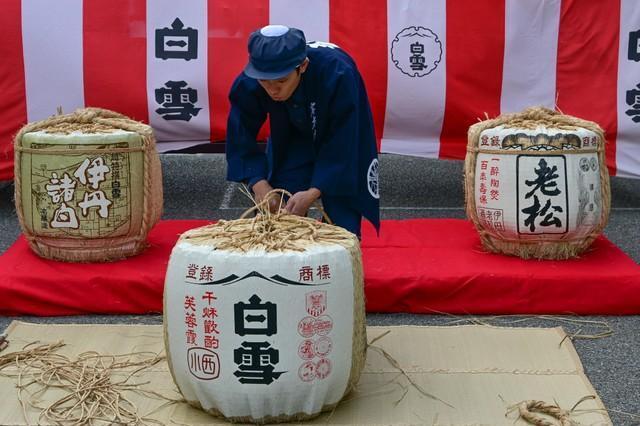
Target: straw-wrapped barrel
point(264, 318)
point(537, 184)
point(88, 185)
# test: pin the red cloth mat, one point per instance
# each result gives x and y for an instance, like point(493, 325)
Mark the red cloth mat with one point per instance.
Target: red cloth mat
point(421, 266)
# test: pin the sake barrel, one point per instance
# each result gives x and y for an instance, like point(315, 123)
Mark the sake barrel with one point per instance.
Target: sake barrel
point(264, 320)
point(88, 185)
point(536, 183)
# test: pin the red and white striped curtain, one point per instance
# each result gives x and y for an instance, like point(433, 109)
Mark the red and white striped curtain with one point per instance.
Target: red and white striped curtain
point(432, 67)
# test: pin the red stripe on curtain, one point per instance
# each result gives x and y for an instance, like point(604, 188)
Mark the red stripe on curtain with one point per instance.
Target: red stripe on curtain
point(587, 72)
point(115, 56)
point(475, 52)
point(12, 86)
point(229, 27)
point(360, 28)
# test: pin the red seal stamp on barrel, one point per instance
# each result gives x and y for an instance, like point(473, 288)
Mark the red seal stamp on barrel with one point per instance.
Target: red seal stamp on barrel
point(307, 371)
point(323, 368)
point(323, 346)
point(323, 325)
point(306, 349)
point(306, 326)
point(316, 302)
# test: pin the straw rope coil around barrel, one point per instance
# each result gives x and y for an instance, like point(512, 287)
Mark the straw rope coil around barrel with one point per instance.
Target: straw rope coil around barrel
point(93, 121)
point(283, 232)
point(533, 118)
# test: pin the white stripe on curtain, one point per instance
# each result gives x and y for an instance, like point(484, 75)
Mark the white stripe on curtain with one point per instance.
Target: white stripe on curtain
point(531, 42)
point(415, 105)
point(193, 14)
point(310, 16)
point(52, 48)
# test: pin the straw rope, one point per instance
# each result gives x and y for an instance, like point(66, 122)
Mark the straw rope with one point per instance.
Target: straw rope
point(586, 329)
point(268, 231)
point(80, 151)
point(395, 364)
point(531, 153)
point(91, 391)
point(94, 120)
point(533, 118)
point(536, 412)
point(283, 232)
point(528, 411)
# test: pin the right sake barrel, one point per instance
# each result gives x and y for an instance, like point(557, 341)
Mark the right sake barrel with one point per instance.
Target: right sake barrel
point(536, 183)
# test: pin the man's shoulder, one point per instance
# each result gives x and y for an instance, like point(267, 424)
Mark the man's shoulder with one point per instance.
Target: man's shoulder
point(329, 56)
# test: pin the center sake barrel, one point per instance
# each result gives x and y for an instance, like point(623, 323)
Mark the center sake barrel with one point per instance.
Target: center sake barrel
point(264, 336)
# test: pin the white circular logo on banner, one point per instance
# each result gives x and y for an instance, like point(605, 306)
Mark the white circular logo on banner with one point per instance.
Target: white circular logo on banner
point(416, 51)
point(372, 179)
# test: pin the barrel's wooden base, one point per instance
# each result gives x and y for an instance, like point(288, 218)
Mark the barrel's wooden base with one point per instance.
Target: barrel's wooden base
point(85, 251)
point(266, 420)
point(548, 250)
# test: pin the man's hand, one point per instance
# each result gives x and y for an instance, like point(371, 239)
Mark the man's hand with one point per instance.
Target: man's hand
point(300, 202)
point(260, 190)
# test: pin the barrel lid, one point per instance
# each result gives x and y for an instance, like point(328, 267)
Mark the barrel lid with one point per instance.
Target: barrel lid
point(113, 136)
point(540, 138)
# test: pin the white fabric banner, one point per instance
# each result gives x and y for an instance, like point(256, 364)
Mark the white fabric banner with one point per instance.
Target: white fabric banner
point(53, 55)
point(177, 89)
point(416, 85)
point(531, 42)
point(628, 141)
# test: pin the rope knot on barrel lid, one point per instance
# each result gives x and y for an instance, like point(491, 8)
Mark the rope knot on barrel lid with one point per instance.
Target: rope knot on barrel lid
point(539, 113)
point(85, 115)
point(279, 231)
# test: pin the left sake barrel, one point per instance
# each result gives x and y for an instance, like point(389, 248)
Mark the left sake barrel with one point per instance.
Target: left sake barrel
point(88, 185)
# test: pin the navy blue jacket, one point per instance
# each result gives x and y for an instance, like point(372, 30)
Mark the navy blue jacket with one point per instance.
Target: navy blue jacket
point(326, 127)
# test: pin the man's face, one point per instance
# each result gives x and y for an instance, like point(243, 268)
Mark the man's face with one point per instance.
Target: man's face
point(280, 90)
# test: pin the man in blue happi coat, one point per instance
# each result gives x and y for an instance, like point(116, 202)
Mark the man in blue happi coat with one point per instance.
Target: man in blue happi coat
point(322, 142)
